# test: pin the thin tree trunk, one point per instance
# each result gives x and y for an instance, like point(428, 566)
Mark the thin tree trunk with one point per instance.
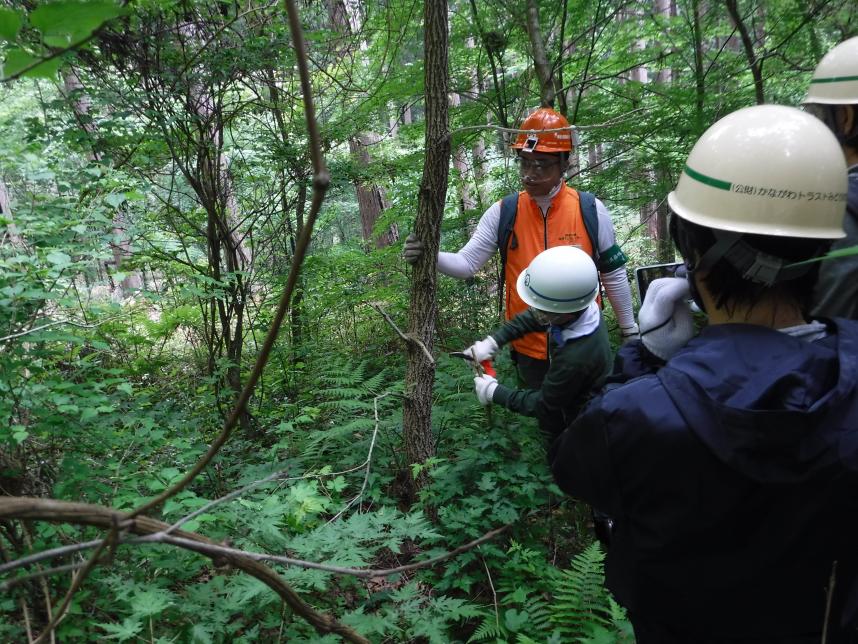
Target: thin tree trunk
point(345, 20)
point(371, 198)
point(699, 78)
point(478, 149)
point(460, 163)
point(540, 58)
point(753, 62)
point(121, 245)
point(655, 214)
point(9, 230)
point(494, 45)
point(229, 257)
point(420, 370)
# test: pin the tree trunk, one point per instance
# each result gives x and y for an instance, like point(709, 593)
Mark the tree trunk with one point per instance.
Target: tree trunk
point(370, 197)
point(345, 20)
point(494, 44)
point(420, 371)
point(540, 58)
point(460, 163)
point(699, 77)
point(229, 258)
point(121, 244)
point(655, 214)
point(753, 62)
point(8, 229)
point(478, 149)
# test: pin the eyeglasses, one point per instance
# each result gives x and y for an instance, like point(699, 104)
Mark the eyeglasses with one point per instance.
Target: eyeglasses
point(535, 166)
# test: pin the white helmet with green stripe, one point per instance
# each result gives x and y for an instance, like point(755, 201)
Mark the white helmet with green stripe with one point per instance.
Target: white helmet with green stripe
point(767, 170)
point(835, 80)
point(562, 279)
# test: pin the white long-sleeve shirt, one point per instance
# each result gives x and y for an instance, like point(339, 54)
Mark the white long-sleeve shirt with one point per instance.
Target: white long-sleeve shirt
point(483, 244)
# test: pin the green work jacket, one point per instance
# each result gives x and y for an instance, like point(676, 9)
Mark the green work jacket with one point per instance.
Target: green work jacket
point(576, 367)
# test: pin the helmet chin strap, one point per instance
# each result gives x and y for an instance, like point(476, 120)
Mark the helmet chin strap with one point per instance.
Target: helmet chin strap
point(754, 265)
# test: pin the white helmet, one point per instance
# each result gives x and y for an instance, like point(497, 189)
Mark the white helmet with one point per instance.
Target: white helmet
point(562, 279)
point(835, 79)
point(767, 170)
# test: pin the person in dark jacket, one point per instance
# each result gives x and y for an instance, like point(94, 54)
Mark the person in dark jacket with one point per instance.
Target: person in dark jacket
point(833, 97)
point(560, 287)
point(729, 461)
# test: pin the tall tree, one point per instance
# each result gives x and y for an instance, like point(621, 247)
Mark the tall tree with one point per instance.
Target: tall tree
point(372, 201)
point(420, 370)
point(544, 73)
point(81, 104)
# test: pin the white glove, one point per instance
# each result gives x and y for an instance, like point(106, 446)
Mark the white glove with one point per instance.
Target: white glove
point(483, 349)
point(485, 386)
point(630, 333)
point(413, 249)
point(665, 318)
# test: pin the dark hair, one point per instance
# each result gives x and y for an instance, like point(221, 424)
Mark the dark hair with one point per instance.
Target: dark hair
point(828, 115)
point(728, 286)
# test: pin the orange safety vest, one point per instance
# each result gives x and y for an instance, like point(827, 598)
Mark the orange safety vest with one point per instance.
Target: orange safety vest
point(532, 233)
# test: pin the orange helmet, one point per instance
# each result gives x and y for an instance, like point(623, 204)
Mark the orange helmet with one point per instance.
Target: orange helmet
point(532, 140)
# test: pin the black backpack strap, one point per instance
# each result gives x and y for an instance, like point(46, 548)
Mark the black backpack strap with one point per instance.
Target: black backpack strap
point(591, 220)
point(506, 223)
point(509, 209)
point(613, 257)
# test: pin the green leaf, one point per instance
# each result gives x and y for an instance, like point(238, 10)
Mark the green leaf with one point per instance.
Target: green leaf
point(68, 22)
point(122, 632)
point(10, 24)
point(115, 199)
point(201, 635)
point(58, 258)
point(147, 603)
point(126, 387)
point(18, 60)
point(19, 433)
point(514, 619)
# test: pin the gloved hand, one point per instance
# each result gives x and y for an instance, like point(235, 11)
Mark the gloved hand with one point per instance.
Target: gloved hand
point(629, 333)
point(485, 386)
point(413, 249)
point(665, 318)
point(483, 349)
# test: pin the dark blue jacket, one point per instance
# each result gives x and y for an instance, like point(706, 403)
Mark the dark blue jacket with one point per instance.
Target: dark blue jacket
point(731, 474)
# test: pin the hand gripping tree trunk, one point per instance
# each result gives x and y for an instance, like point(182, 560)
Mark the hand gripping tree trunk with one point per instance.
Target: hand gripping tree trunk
point(420, 372)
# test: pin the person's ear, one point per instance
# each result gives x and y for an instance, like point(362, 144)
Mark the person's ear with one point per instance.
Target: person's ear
point(845, 118)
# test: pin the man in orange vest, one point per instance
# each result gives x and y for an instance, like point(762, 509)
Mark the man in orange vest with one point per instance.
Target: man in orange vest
point(548, 213)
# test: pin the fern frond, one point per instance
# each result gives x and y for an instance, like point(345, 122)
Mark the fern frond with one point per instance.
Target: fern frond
point(581, 602)
point(490, 629)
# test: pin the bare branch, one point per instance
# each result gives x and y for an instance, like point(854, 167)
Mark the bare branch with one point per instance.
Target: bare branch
point(11, 583)
point(405, 336)
point(368, 462)
point(77, 582)
point(80, 325)
point(34, 509)
point(215, 550)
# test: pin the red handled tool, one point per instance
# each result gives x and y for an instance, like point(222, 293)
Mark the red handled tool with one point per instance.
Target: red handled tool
point(484, 367)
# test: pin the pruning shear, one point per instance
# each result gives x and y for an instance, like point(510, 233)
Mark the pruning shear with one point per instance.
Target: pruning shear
point(480, 368)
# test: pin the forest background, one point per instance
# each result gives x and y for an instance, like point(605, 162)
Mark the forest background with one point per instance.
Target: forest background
point(161, 176)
